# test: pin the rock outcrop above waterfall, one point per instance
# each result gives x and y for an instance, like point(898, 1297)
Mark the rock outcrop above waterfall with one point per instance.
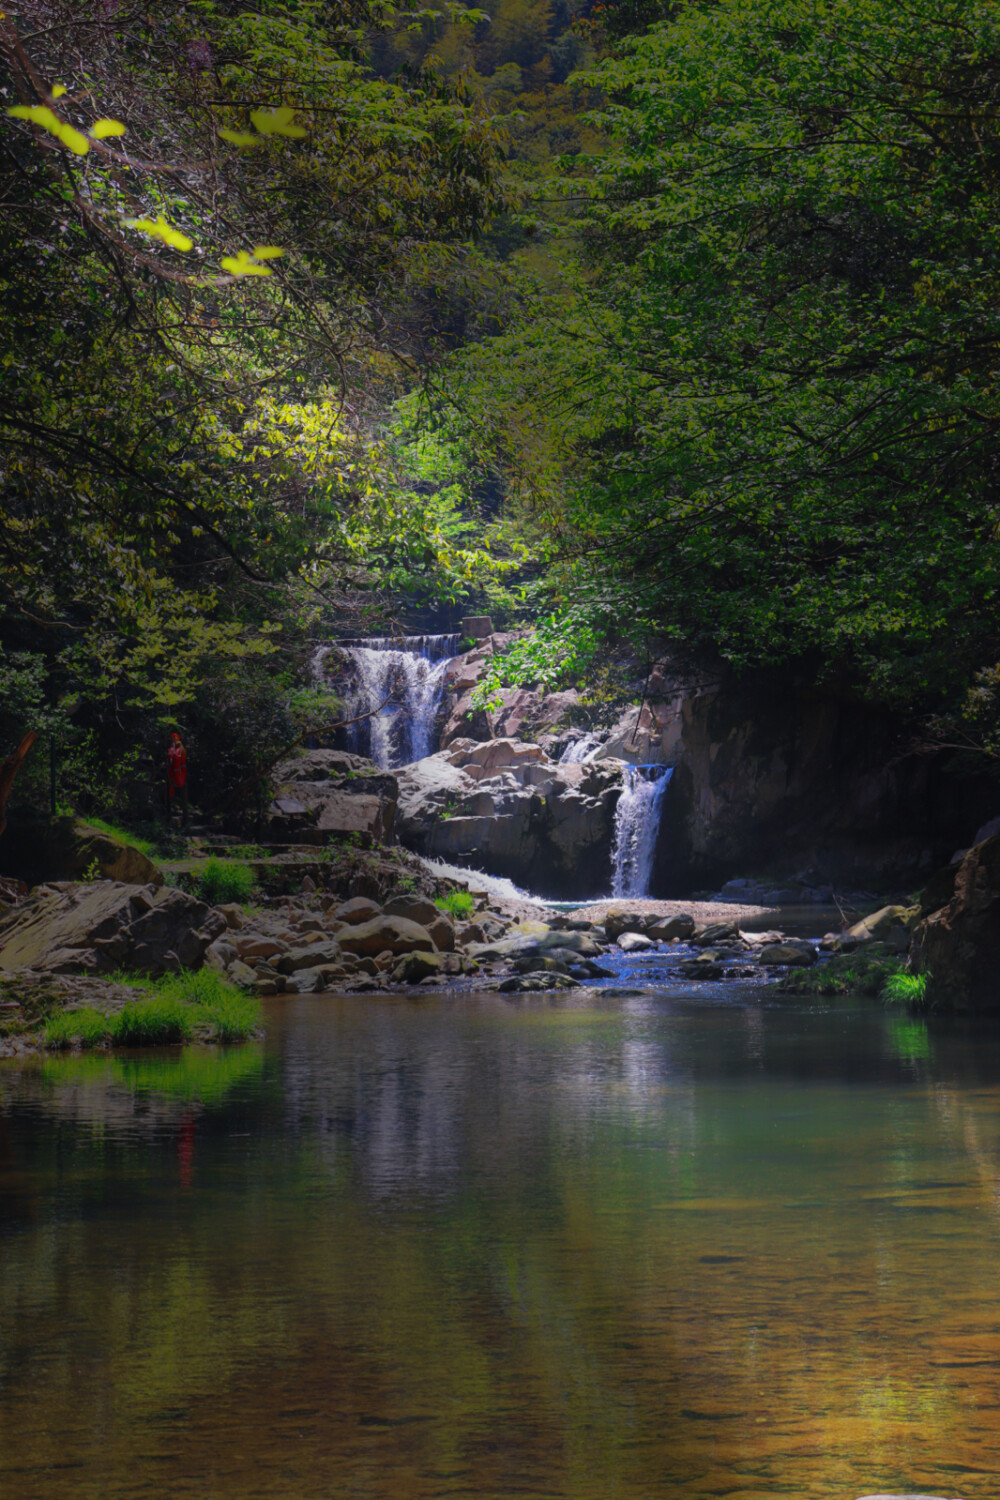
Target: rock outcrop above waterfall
point(506, 807)
point(324, 792)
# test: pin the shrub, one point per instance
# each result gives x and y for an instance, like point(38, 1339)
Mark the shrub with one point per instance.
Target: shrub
point(224, 880)
point(905, 989)
point(458, 903)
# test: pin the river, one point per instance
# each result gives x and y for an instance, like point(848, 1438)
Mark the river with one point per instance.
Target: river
point(600, 1246)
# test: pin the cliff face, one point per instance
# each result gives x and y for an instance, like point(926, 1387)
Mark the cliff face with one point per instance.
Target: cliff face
point(783, 779)
point(772, 777)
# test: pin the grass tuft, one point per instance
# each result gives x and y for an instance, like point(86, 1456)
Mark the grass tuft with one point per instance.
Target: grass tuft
point(77, 1028)
point(458, 903)
point(159, 1019)
point(144, 846)
point(224, 880)
point(906, 989)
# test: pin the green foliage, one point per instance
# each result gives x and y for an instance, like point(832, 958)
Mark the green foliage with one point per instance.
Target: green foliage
point(172, 1009)
point(459, 903)
point(906, 989)
point(223, 880)
point(123, 836)
point(844, 974)
point(156, 1021)
point(560, 647)
point(759, 408)
point(84, 1027)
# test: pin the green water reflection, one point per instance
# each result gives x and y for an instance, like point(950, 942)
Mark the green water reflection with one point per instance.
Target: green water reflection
point(571, 1248)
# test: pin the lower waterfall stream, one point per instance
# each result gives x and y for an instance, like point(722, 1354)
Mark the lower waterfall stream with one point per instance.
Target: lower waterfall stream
point(637, 827)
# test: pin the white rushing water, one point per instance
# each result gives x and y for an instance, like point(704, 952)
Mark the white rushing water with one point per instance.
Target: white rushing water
point(478, 880)
point(402, 678)
point(580, 750)
point(637, 826)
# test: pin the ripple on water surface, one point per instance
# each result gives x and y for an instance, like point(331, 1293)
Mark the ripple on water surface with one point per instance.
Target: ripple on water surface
point(579, 1246)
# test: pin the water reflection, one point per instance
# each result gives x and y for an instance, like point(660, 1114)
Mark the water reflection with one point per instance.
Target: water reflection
point(575, 1247)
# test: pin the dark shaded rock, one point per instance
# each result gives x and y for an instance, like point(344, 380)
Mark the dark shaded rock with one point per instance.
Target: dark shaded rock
point(701, 968)
point(619, 919)
point(958, 947)
point(715, 932)
point(665, 929)
point(530, 983)
point(792, 952)
point(938, 891)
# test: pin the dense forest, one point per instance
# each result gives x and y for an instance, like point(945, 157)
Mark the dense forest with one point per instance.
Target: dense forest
point(659, 327)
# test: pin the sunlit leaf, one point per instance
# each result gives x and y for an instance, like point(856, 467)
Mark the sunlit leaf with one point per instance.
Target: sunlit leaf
point(267, 252)
point(101, 129)
point(239, 138)
point(243, 265)
point(40, 114)
point(277, 122)
point(58, 89)
point(159, 229)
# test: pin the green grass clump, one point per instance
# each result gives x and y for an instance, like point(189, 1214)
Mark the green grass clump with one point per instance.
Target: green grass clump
point(458, 903)
point(85, 1028)
point(224, 880)
point(155, 1021)
point(169, 1010)
point(905, 989)
point(144, 846)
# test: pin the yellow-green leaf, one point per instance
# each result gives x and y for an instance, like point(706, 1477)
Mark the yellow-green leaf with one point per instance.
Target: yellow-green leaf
point(159, 229)
point(101, 129)
point(58, 89)
point(40, 114)
point(239, 138)
point(277, 122)
point(266, 252)
point(242, 265)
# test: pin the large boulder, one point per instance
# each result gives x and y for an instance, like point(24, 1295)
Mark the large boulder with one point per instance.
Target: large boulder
point(103, 924)
point(505, 807)
point(958, 947)
point(386, 935)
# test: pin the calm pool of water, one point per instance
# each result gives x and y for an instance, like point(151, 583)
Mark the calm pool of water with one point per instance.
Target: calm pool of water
point(600, 1248)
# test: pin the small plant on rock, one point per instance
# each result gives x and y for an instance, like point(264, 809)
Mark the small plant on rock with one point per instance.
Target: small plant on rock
point(223, 880)
point(906, 989)
point(458, 903)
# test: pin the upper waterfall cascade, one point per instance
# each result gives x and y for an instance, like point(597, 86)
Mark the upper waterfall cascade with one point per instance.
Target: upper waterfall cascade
point(637, 826)
point(398, 680)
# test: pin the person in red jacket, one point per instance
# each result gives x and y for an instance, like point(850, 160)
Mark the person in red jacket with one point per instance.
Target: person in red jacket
point(177, 777)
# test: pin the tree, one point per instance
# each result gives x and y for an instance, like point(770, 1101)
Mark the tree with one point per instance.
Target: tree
point(217, 229)
point(761, 410)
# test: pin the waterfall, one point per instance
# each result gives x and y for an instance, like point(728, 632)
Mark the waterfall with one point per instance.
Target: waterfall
point(403, 675)
point(580, 750)
point(637, 824)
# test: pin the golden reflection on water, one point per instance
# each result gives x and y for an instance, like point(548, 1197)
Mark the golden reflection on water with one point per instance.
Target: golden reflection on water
point(477, 1249)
